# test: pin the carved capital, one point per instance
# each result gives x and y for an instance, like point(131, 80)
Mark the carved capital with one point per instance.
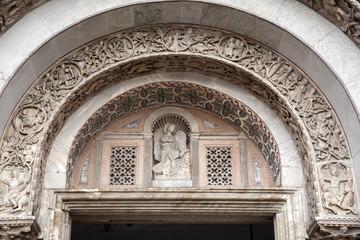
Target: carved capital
point(19, 228)
point(335, 228)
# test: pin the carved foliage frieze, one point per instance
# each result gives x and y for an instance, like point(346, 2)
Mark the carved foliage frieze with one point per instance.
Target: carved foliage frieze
point(300, 104)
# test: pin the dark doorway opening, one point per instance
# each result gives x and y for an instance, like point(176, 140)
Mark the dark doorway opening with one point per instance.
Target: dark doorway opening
point(173, 231)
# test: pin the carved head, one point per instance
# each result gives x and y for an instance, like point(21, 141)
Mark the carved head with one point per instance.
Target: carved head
point(334, 171)
point(29, 117)
point(14, 174)
point(169, 128)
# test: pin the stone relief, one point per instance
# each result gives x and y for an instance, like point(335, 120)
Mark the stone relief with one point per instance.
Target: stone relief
point(171, 154)
point(257, 173)
point(133, 124)
point(14, 196)
point(85, 171)
point(337, 186)
point(209, 124)
point(302, 107)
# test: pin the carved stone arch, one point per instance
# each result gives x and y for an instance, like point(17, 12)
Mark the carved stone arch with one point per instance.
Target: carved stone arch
point(191, 122)
point(244, 62)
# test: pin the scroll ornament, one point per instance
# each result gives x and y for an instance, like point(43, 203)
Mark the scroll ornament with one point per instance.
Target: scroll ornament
point(30, 126)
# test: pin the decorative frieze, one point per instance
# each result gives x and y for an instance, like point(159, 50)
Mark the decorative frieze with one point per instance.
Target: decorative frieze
point(62, 88)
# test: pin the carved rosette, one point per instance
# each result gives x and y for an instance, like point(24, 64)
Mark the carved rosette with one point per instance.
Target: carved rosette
point(303, 108)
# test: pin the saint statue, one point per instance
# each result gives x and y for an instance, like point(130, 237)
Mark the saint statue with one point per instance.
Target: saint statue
point(171, 153)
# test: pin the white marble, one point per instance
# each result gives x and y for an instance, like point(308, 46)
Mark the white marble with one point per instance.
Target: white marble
point(341, 55)
point(171, 183)
point(59, 14)
point(17, 44)
point(55, 180)
point(302, 22)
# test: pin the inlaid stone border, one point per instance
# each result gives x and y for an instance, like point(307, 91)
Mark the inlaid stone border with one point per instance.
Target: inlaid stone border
point(138, 51)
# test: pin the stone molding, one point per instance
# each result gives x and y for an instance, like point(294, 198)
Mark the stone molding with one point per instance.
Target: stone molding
point(243, 62)
point(335, 228)
point(345, 14)
point(182, 205)
point(19, 228)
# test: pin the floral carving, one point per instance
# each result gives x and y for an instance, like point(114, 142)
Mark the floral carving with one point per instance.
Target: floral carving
point(303, 108)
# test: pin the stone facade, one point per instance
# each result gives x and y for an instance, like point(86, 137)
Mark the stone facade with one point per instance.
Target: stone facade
point(174, 149)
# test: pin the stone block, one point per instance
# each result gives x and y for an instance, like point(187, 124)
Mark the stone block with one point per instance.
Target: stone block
point(147, 14)
point(94, 27)
point(58, 15)
point(44, 57)
point(171, 183)
point(68, 40)
point(346, 112)
point(120, 19)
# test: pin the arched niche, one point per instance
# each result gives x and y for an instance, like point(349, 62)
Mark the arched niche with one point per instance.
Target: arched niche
point(248, 165)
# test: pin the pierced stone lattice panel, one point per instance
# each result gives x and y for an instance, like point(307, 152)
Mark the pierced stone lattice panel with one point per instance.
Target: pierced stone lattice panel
point(122, 165)
point(219, 166)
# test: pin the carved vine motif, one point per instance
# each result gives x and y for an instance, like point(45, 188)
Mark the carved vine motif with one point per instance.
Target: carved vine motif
point(297, 100)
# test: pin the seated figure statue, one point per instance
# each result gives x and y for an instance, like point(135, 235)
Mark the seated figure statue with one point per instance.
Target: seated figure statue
point(171, 152)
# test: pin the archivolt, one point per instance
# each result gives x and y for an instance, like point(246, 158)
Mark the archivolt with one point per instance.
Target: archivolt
point(61, 89)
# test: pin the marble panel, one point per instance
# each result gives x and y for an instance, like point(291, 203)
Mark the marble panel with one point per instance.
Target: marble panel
point(68, 40)
point(58, 15)
point(94, 27)
point(354, 90)
point(290, 166)
point(147, 14)
point(319, 72)
point(14, 50)
point(55, 180)
point(312, 27)
point(171, 183)
point(190, 13)
point(121, 19)
point(171, 12)
point(356, 164)
point(45, 56)
point(293, 49)
point(347, 115)
point(268, 34)
point(91, 7)
point(341, 54)
point(267, 9)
